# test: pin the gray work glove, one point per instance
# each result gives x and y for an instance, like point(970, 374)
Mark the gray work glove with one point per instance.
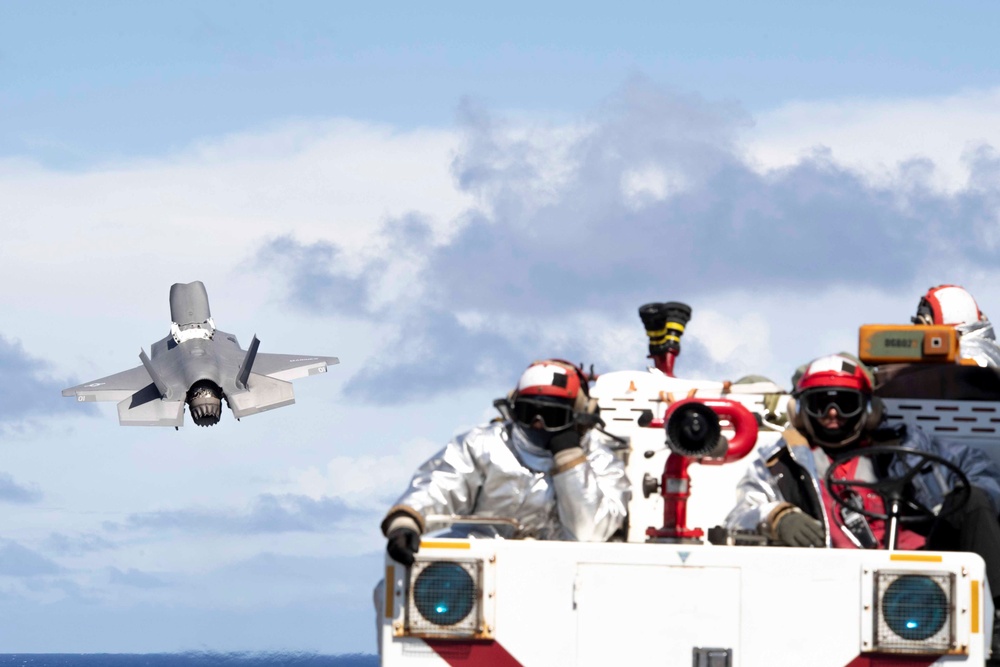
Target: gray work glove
point(798, 529)
point(402, 544)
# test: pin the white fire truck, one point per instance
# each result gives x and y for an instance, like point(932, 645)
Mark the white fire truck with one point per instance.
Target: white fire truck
point(676, 592)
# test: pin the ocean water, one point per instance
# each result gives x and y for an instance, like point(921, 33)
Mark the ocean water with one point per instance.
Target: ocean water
point(192, 659)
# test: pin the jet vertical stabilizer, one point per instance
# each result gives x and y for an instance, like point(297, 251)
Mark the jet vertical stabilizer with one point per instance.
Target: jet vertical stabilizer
point(244, 375)
point(162, 387)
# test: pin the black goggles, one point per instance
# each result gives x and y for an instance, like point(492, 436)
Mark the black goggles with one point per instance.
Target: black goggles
point(553, 416)
point(846, 402)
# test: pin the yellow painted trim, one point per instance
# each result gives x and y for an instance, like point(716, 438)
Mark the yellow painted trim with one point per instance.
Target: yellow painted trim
point(390, 587)
point(919, 558)
point(425, 544)
point(974, 617)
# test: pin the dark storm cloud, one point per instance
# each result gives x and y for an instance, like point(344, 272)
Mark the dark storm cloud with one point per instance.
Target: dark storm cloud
point(27, 391)
point(268, 514)
point(547, 249)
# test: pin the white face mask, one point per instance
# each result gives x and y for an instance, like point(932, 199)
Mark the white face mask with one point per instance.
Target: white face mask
point(537, 438)
point(530, 448)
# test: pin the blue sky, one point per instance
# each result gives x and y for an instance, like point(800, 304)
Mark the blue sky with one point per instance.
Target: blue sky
point(105, 79)
point(437, 195)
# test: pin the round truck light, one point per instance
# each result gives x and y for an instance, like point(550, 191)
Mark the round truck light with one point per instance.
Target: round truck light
point(444, 593)
point(915, 607)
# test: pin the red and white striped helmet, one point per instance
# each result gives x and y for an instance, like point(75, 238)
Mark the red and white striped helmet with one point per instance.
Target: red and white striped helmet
point(834, 371)
point(947, 304)
point(553, 378)
point(835, 381)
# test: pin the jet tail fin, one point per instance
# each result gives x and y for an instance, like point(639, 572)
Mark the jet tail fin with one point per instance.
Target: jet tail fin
point(263, 393)
point(161, 386)
point(146, 408)
point(244, 375)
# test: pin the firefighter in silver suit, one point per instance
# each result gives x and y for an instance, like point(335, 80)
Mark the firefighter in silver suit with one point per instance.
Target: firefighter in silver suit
point(543, 465)
point(953, 305)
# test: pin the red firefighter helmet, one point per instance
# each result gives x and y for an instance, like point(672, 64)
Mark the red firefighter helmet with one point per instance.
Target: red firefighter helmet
point(835, 370)
point(947, 304)
point(552, 389)
point(840, 384)
point(550, 377)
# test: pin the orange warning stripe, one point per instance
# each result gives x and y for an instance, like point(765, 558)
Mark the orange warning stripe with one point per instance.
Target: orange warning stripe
point(427, 544)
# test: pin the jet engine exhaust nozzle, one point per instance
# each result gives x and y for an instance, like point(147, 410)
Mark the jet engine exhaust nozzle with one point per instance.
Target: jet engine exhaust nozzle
point(205, 402)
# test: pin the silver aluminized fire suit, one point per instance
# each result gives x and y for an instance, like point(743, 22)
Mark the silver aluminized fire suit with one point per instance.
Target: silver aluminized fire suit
point(978, 341)
point(495, 471)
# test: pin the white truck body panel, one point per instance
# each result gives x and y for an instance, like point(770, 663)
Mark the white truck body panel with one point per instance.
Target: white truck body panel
point(641, 603)
point(562, 603)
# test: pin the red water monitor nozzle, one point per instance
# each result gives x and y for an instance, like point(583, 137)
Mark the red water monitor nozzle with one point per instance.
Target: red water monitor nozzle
point(694, 435)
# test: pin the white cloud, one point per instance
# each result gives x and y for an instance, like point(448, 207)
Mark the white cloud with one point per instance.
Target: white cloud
point(648, 184)
point(122, 233)
point(364, 481)
point(740, 342)
point(877, 135)
point(532, 159)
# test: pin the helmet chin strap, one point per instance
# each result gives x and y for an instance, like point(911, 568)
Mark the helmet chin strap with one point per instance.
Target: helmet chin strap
point(925, 314)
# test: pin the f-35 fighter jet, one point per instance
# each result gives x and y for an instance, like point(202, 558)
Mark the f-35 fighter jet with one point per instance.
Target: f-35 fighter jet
point(199, 365)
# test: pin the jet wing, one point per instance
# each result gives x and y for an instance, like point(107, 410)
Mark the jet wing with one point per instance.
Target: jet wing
point(115, 387)
point(264, 393)
point(146, 408)
point(288, 367)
